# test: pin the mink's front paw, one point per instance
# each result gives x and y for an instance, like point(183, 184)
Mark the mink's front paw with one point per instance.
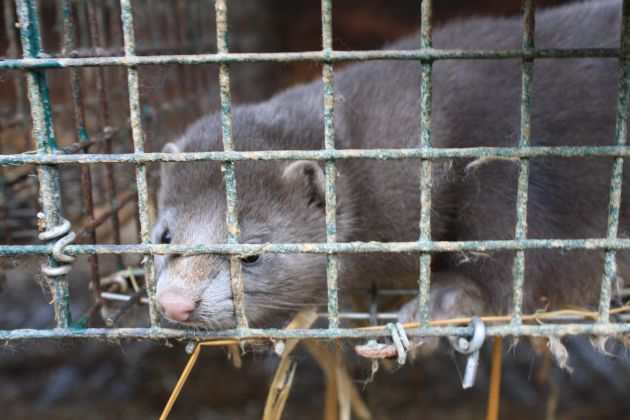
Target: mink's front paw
point(410, 312)
point(451, 296)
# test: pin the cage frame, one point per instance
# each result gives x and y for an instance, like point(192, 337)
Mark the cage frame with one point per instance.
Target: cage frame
point(58, 236)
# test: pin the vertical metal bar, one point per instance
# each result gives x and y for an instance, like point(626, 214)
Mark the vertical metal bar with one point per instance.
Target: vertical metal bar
point(103, 115)
point(13, 52)
point(157, 36)
point(48, 175)
point(156, 29)
point(68, 50)
point(332, 264)
point(193, 17)
point(116, 31)
point(205, 19)
point(165, 19)
point(101, 20)
point(228, 167)
point(621, 132)
point(126, 14)
point(12, 48)
point(518, 270)
point(82, 37)
point(117, 38)
point(170, 10)
point(140, 21)
point(90, 76)
point(83, 25)
point(4, 200)
point(182, 41)
point(426, 92)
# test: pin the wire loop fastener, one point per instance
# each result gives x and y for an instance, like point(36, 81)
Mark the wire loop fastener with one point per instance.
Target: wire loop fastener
point(399, 337)
point(375, 350)
point(471, 347)
point(65, 237)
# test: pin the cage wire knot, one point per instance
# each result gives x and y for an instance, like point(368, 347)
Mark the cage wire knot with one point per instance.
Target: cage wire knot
point(375, 350)
point(65, 236)
point(470, 347)
point(399, 337)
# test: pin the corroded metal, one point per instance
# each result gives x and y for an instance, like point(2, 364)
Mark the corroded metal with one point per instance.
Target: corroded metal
point(120, 203)
point(324, 334)
point(4, 201)
point(13, 52)
point(81, 136)
point(323, 155)
point(228, 166)
point(518, 270)
point(44, 135)
point(126, 13)
point(621, 133)
point(190, 38)
point(328, 248)
point(135, 298)
point(95, 15)
point(426, 165)
point(332, 263)
point(314, 56)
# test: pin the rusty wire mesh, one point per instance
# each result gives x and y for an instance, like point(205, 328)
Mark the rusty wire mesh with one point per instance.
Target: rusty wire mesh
point(188, 49)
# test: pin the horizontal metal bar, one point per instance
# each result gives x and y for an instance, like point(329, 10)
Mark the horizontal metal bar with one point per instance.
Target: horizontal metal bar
point(375, 154)
point(311, 56)
point(546, 330)
point(326, 248)
point(119, 297)
point(388, 316)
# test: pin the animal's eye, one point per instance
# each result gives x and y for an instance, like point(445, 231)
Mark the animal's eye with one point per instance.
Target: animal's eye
point(251, 259)
point(166, 237)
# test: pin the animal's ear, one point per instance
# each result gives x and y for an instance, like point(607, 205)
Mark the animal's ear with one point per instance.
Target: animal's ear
point(306, 176)
point(166, 166)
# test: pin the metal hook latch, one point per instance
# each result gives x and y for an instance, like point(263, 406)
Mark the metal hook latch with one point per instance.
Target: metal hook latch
point(470, 347)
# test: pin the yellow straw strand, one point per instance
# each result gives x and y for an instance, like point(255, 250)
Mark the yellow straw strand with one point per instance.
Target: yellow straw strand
point(494, 394)
point(180, 383)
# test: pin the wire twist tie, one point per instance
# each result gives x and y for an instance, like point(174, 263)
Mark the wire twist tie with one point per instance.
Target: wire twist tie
point(399, 337)
point(65, 236)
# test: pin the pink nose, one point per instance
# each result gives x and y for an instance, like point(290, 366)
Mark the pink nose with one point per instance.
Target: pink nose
point(176, 307)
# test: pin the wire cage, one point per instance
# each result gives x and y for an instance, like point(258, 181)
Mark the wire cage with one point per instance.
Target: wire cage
point(65, 235)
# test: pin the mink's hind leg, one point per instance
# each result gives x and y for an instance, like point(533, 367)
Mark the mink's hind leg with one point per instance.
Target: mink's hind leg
point(452, 295)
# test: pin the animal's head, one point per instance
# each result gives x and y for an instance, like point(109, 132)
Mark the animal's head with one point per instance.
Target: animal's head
point(278, 202)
